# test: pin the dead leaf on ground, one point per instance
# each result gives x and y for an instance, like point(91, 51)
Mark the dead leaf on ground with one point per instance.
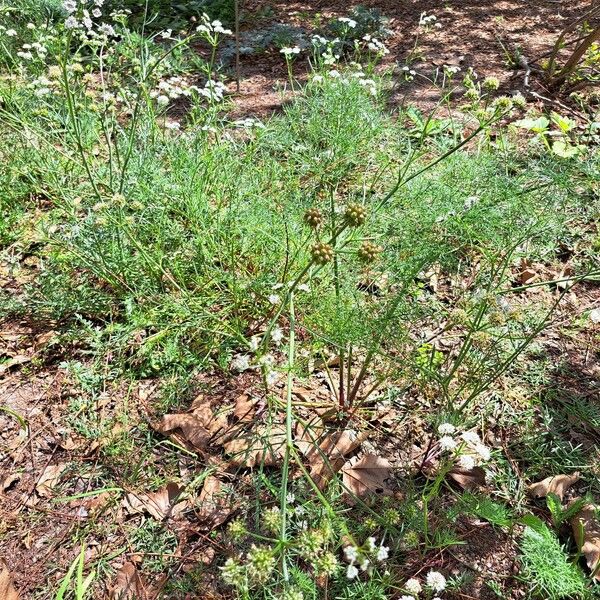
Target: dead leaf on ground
point(191, 428)
point(245, 408)
point(195, 428)
point(130, 585)
point(586, 529)
point(7, 589)
point(330, 456)
point(15, 361)
point(214, 504)
point(557, 484)
point(470, 479)
point(367, 475)
point(264, 445)
point(49, 479)
point(161, 504)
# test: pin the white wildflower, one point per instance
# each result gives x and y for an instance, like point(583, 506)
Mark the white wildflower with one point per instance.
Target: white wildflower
point(30, 26)
point(407, 598)
point(240, 362)
point(466, 462)
point(71, 23)
point(277, 335)
point(446, 429)
point(471, 437)
point(290, 498)
point(383, 553)
point(11, 32)
point(274, 299)
point(271, 378)
point(483, 451)
point(371, 543)
point(97, 13)
point(436, 581)
point(351, 553)
point(350, 22)
point(106, 29)
point(413, 586)
point(351, 572)
point(254, 343)
point(364, 563)
point(162, 100)
point(447, 443)
point(303, 287)
point(290, 51)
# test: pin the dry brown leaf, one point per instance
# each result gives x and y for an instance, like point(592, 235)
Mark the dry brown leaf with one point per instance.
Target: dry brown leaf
point(265, 445)
point(7, 589)
point(160, 504)
point(245, 408)
point(586, 529)
point(558, 484)
point(367, 476)
point(191, 427)
point(129, 585)
point(330, 456)
point(214, 505)
point(48, 480)
point(468, 479)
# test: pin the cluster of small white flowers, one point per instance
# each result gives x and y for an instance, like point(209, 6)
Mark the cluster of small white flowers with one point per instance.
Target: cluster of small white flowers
point(289, 52)
point(32, 51)
point(375, 45)
point(434, 580)
point(7, 32)
point(477, 452)
point(409, 74)
point(319, 40)
point(426, 21)
point(175, 87)
point(44, 86)
point(249, 123)
point(80, 18)
point(210, 28)
point(362, 556)
point(451, 70)
point(351, 23)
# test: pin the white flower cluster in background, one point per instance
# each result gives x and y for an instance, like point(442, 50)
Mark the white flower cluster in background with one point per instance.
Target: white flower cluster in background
point(434, 581)
point(363, 557)
point(467, 446)
point(175, 87)
point(375, 45)
point(83, 16)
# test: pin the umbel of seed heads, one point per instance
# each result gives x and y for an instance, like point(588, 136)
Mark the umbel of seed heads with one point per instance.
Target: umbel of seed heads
point(368, 252)
point(355, 215)
point(322, 253)
point(314, 218)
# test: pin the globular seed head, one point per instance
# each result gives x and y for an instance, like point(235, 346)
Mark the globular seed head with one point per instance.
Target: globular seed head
point(368, 252)
point(322, 253)
point(355, 214)
point(314, 218)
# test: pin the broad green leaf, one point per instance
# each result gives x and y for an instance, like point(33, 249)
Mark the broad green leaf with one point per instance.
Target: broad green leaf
point(564, 149)
point(537, 125)
point(563, 123)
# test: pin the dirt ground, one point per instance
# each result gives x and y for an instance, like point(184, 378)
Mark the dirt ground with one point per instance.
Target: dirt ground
point(473, 33)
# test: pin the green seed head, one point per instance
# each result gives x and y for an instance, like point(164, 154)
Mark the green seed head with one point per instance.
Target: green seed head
point(322, 253)
point(355, 215)
point(369, 252)
point(313, 217)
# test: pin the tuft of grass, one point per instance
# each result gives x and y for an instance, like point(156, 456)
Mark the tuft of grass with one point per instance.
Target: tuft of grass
point(546, 566)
